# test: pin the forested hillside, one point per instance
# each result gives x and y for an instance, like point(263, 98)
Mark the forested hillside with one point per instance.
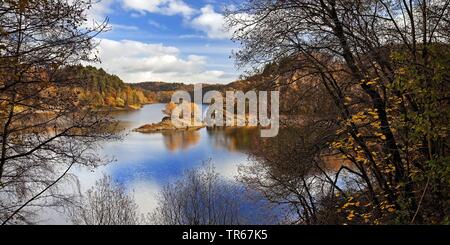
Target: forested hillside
point(163, 91)
point(105, 90)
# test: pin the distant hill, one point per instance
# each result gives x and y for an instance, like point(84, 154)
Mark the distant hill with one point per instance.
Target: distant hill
point(164, 90)
point(162, 86)
point(105, 90)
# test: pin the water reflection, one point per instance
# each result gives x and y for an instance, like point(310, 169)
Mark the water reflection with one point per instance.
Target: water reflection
point(146, 162)
point(233, 139)
point(180, 140)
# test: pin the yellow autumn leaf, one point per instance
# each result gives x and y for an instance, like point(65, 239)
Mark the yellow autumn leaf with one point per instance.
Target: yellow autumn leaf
point(350, 217)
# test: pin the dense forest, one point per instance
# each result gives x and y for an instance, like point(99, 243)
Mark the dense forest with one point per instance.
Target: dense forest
point(104, 90)
point(164, 90)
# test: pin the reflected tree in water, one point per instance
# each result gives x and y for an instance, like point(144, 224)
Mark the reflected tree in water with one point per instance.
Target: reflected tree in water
point(233, 138)
point(180, 140)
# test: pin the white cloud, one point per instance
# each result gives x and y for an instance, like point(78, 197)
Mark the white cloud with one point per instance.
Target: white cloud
point(165, 7)
point(191, 36)
point(135, 61)
point(124, 27)
point(206, 20)
point(211, 23)
point(156, 24)
point(99, 10)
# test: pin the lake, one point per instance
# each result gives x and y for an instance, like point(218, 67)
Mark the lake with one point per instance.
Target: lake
point(145, 162)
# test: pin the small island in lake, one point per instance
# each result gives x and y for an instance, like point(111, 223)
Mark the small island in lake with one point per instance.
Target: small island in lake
point(166, 124)
point(193, 123)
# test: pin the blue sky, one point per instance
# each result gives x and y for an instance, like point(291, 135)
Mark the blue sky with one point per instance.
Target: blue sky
point(166, 40)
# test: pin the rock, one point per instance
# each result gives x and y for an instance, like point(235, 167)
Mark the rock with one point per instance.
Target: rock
point(166, 126)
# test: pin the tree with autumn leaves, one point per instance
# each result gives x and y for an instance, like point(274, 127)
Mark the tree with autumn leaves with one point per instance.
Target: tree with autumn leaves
point(45, 128)
point(104, 91)
point(384, 66)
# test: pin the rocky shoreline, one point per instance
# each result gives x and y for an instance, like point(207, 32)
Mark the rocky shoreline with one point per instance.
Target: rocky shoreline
point(166, 125)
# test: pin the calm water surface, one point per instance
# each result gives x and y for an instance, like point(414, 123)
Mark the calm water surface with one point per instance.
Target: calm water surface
point(145, 162)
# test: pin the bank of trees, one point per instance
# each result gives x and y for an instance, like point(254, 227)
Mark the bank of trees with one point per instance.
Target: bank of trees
point(45, 128)
point(103, 90)
point(380, 72)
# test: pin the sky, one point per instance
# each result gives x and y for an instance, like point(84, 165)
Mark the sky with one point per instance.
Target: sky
point(165, 40)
